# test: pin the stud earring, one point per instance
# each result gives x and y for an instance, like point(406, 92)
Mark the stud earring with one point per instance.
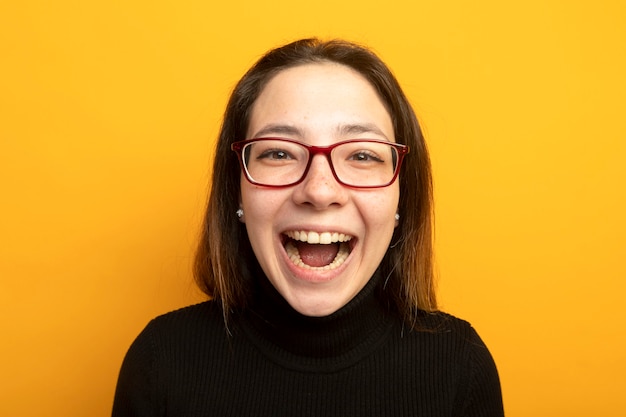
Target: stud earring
point(397, 216)
point(239, 213)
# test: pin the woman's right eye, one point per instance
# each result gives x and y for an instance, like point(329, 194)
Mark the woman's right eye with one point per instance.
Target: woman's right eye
point(275, 154)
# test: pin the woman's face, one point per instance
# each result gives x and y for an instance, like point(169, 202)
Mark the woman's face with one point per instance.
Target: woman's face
point(319, 104)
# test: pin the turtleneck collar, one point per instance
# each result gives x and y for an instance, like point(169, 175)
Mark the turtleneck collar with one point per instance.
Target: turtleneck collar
point(316, 343)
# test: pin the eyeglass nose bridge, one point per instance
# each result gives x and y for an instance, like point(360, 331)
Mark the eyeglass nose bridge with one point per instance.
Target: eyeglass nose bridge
point(326, 151)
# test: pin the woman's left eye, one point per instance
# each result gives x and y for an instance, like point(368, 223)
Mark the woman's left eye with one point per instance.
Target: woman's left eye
point(365, 156)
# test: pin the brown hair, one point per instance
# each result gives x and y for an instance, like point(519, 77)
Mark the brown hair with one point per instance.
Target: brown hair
point(224, 259)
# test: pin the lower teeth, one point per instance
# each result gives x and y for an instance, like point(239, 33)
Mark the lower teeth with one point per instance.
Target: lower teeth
point(294, 256)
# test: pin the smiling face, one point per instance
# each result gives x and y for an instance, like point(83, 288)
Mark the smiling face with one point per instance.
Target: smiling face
point(297, 231)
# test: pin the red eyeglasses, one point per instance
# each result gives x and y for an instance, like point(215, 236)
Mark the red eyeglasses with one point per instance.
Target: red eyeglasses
point(357, 163)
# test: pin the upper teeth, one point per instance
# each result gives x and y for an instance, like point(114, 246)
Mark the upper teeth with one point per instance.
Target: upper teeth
point(323, 238)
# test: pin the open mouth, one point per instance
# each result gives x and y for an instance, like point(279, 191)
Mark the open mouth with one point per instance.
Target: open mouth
point(317, 251)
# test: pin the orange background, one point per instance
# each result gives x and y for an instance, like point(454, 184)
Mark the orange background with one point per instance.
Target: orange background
point(109, 110)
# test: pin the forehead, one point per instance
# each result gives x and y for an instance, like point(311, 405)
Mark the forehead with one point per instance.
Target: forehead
point(319, 95)
point(315, 76)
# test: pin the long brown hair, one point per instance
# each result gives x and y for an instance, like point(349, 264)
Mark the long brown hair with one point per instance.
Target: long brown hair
point(224, 259)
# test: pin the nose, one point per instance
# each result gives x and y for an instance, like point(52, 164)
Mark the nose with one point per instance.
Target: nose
point(319, 188)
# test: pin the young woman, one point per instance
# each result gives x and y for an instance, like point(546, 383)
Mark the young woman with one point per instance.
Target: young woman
point(317, 256)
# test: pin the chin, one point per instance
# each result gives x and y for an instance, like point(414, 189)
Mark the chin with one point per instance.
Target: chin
point(317, 309)
point(318, 299)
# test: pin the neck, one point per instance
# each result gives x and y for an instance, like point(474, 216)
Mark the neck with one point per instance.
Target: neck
point(345, 333)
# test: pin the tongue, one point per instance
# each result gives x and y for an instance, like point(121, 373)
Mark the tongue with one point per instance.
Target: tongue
point(317, 255)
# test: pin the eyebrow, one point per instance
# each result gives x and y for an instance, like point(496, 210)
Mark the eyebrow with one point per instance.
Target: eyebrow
point(351, 129)
point(278, 129)
point(342, 130)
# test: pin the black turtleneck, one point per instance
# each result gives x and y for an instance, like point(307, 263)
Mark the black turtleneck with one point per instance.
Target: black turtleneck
point(316, 344)
point(274, 361)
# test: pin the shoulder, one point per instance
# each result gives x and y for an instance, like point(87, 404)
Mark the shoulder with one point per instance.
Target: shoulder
point(444, 325)
point(172, 346)
point(178, 337)
point(449, 339)
point(202, 313)
point(194, 324)
point(438, 321)
point(458, 346)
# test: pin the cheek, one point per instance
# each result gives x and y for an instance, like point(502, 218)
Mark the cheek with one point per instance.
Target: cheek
point(257, 220)
point(380, 209)
point(261, 206)
point(251, 200)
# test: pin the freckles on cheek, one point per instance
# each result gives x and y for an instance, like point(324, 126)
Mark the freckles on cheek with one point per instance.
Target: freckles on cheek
point(379, 209)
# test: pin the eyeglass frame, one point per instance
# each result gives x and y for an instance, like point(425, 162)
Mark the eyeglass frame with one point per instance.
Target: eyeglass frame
point(313, 150)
